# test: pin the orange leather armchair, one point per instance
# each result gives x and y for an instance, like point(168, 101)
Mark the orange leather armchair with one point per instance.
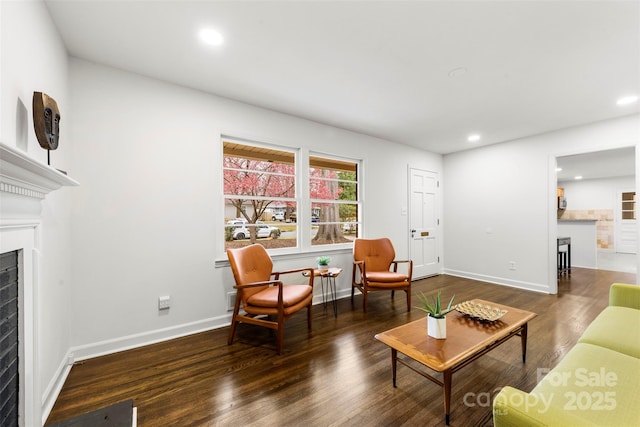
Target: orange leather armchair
point(372, 269)
point(261, 296)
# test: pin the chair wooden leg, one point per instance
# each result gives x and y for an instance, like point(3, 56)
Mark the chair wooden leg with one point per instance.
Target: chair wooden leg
point(408, 291)
point(234, 321)
point(393, 294)
point(232, 330)
point(309, 316)
point(364, 303)
point(280, 337)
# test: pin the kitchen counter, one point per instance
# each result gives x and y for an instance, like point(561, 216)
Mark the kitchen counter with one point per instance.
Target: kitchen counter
point(584, 241)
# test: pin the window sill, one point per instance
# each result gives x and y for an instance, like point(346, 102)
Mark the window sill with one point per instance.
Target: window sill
point(224, 262)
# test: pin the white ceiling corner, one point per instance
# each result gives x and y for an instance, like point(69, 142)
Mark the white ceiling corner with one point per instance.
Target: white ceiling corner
point(382, 68)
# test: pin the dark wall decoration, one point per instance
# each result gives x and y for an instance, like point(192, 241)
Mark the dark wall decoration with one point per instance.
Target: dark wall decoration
point(46, 120)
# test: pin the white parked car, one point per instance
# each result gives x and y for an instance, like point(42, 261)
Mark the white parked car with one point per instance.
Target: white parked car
point(349, 227)
point(277, 216)
point(263, 231)
point(237, 221)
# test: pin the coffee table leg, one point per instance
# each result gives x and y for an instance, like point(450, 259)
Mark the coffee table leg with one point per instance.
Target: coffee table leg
point(523, 339)
point(447, 394)
point(324, 296)
point(332, 287)
point(394, 364)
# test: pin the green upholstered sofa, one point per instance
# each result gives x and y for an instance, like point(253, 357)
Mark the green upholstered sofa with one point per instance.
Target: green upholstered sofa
point(597, 383)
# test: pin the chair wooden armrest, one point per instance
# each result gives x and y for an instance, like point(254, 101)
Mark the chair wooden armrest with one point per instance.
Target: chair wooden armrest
point(308, 270)
point(403, 261)
point(298, 270)
point(255, 284)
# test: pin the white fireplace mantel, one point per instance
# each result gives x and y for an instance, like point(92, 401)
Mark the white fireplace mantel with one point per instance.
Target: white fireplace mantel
point(24, 183)
point(24, 176)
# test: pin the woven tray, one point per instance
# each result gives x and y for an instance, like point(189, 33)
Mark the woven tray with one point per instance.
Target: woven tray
point(481, 312)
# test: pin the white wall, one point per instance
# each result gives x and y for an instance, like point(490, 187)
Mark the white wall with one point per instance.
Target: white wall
point(491, 217)
point(148, 215)
point(499, 203)
point(595, 193)
point(145, 218)
point(34, 59)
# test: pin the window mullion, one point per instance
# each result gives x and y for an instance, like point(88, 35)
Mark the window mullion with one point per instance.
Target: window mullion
point(303, 198)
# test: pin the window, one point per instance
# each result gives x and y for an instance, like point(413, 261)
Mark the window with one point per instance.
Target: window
point(267, 200)
point(333, 192)
point(259, 191)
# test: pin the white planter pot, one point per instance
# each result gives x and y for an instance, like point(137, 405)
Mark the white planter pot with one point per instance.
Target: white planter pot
point(437, 328)
point(323, 267)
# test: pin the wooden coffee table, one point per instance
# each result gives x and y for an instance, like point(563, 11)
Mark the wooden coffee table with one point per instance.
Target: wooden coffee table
point(467, 339)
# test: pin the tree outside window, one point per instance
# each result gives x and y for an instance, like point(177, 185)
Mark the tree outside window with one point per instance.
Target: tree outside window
point(334, 199)
point(261, 201)
point(258, 184)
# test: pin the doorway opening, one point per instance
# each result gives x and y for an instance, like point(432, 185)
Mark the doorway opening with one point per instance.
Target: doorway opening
point(593, 186)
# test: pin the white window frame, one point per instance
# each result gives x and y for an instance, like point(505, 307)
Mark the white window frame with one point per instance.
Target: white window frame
point(302, 196)
point(309, 201)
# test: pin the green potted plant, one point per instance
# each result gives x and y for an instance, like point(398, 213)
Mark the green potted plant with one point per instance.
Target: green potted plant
point(436, 320)
point(323, 262)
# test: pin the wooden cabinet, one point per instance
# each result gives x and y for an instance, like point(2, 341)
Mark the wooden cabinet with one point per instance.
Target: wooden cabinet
point(628, 207)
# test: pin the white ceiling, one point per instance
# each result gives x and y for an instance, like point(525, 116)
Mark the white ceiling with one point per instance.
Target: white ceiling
point(382, 68)
point(599, 164)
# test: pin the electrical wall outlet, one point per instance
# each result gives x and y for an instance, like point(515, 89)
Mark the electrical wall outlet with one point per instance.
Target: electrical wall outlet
point(231, 300)
point(164, 302)
point(512, 265)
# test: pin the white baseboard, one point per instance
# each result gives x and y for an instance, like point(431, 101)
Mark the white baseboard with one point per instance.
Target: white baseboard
point(528, 286)
point(101, 348)
point(50, 395)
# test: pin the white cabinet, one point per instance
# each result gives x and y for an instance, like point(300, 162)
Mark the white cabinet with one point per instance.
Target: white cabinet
point(626, 239)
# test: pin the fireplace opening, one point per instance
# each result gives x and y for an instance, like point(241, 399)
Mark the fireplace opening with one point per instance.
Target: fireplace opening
point(9, 369)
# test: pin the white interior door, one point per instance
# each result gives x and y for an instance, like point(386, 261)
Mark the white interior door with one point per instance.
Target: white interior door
point(423, 223)
point(625, 225)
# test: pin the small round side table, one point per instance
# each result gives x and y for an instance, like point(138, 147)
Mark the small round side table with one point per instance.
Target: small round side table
point(329, 275)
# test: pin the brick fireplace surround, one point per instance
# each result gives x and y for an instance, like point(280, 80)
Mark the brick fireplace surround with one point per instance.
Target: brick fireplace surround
point(24, 183)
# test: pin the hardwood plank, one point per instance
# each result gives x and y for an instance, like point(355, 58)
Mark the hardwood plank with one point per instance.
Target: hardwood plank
point(337, 374)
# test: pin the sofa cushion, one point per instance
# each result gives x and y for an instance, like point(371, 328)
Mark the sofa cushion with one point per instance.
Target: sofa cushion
point(516, 408)
point(615, 328)
point(594, 383)
point(625, 295)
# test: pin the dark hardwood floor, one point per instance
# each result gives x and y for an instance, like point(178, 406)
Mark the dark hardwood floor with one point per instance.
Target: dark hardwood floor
point(337, 374)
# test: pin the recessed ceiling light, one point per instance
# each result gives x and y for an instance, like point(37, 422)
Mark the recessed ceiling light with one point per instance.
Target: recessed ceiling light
point(558, 169)
point(578, 177)
point(211, 36)
point(473, 138)
point(627, 100)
